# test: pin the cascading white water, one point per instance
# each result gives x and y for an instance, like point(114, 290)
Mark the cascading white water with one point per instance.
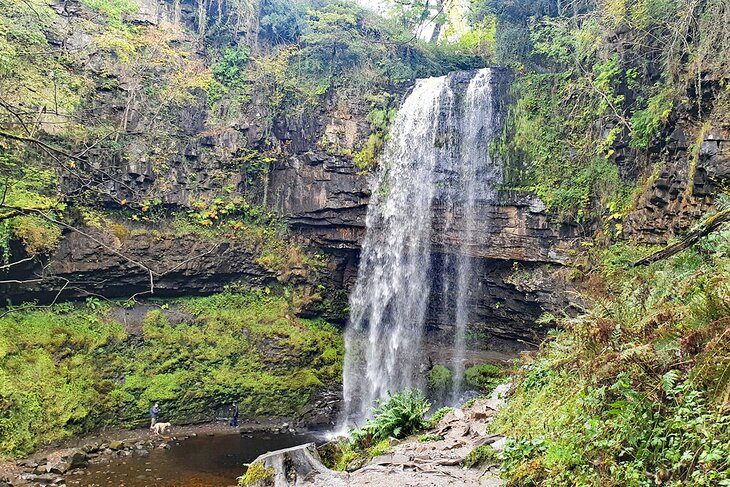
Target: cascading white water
point(436, 160)
point(476, 179)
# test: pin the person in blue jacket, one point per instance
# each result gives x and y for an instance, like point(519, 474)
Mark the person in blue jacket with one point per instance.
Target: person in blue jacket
point(154, 414)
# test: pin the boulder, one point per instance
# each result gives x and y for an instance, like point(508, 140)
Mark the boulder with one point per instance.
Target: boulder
point(116, 445)
point(77, 459)
point(60, 467)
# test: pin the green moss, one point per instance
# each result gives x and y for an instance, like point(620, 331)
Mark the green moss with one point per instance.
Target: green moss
point(439, 378)
point(115, 11)
point(346, 458)
point(256, 475)
point(69, 369)
point(484, 377)
point(429, 437)
point(481, 455)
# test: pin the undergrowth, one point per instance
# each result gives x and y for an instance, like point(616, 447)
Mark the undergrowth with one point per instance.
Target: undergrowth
point(635, 391)
point(73, 368)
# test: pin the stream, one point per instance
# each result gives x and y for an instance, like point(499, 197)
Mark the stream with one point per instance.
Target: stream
point(201, 461)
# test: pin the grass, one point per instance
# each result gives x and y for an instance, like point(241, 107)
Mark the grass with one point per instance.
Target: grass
point(73, 368)
point(481, 455)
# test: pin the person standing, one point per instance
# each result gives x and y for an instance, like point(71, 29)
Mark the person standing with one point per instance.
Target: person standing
point(154, 414)
point(234, 415)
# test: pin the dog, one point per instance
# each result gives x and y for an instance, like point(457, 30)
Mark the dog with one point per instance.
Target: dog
point(161, 428)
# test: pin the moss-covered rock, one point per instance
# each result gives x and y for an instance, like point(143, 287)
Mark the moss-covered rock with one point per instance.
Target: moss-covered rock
point(72, 368)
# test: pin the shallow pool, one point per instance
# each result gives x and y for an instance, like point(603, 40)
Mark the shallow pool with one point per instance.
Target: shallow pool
point(202, 461)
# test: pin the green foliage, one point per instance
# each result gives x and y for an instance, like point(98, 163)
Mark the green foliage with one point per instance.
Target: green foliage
point(632, 392)
point(583, 95)
point(645, 124)
point(429, 437)
point(398, 416)
point(553, 153)
point(341, 50)
point(481, 455)
point(230, 68)
point(439, 378)
point(113, 10)
point(381, 115)
point(437, 416)
point(281, 20)
point(70, 369)
point(37, 235)
point(484, 377)
point(353, 455)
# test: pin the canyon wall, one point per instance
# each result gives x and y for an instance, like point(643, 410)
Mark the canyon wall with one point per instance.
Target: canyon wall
point(193, 154)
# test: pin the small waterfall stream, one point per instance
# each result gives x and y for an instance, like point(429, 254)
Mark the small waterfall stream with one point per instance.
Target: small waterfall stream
point(436, 162)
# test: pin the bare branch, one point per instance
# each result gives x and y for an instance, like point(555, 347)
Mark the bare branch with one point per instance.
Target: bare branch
point(8, 266)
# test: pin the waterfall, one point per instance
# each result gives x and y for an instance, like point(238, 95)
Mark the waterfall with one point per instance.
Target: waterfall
point(435, 165)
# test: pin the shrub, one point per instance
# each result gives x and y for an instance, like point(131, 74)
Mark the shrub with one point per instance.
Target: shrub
point(632, 391)
point(484, 377)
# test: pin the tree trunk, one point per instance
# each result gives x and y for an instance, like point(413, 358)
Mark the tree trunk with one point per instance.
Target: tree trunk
point(288, 467)
point(705, 228)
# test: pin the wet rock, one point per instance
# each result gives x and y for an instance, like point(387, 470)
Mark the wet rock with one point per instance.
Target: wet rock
point(143, 453)
point(116, 445)
point(77, 459)
point(60, 467)
point(322, 410)
point(90, 448)
point(43, 479)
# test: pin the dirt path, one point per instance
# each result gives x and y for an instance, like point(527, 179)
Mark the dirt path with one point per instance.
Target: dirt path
point(410, 463)
point(432, 463)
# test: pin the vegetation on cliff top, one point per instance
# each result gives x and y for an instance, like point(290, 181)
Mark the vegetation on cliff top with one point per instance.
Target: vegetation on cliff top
point(599, 85)
point(73, 368)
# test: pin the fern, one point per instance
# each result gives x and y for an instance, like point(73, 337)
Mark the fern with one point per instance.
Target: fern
point(669, 381)
point(400, 415)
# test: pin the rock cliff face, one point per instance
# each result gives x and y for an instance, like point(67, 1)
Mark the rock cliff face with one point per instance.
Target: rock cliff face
point(177, 153)
point(695, 167)
point(315, 186)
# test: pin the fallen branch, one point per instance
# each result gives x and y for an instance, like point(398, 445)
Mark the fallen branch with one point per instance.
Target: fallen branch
point(703, 229)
